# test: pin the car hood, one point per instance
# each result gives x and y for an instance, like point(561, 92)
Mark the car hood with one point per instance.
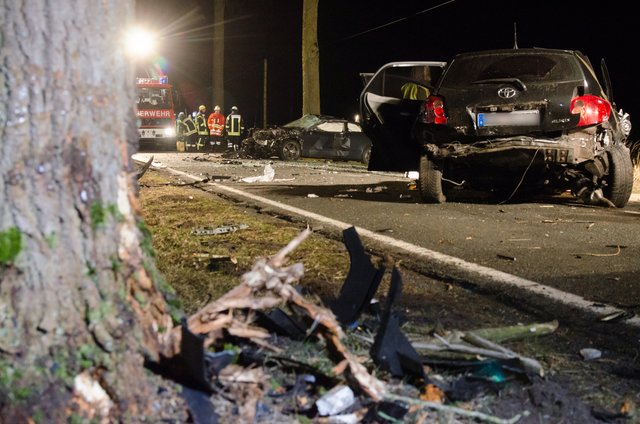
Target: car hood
point(274, 133)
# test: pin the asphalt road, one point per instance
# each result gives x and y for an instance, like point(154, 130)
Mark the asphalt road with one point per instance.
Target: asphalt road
point(554, 249)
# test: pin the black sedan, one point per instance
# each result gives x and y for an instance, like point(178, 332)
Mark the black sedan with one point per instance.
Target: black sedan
point(311, 136)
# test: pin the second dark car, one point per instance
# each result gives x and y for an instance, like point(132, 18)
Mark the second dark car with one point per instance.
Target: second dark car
point(312, 136)
point(503, 120)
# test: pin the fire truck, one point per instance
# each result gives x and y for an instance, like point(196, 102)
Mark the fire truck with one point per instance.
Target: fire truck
point(155, 112)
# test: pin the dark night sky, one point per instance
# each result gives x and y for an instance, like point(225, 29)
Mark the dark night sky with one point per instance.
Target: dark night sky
point(361, 35)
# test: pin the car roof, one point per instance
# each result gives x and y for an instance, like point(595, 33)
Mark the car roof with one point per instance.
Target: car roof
point(531, 50)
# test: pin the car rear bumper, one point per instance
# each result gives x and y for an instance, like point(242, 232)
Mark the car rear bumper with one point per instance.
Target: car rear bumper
point(570, 150)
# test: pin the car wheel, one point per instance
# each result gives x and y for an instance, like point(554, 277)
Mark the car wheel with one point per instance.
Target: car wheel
point(366, 155)
point(619, 181)
point(430, 181)
point(290, 150)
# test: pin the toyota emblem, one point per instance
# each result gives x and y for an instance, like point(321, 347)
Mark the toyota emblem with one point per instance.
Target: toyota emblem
point(507, 92)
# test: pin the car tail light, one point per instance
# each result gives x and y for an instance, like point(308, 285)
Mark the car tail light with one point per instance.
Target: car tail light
point(592, 109)
point(434, 111)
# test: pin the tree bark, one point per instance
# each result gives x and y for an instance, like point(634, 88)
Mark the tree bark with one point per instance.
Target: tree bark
point(76, 297)
point(310, 58)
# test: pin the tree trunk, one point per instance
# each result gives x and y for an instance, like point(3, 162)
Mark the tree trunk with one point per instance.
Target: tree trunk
point(218, 54)
point(76, 298)
point(310, 58)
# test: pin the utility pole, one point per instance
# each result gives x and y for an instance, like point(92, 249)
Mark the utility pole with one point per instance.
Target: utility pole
point(264, 96)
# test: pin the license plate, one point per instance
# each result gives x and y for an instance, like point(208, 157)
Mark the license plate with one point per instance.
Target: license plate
point(516, 118)
point(147, 133)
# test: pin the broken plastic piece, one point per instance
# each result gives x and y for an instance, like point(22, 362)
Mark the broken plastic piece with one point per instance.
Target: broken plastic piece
point(589, 354)
point(266, 177)
point(277, 321)
point(188, 366)
point(395, 410)
point(361, 283)
point(335, 401)
point(391, 349)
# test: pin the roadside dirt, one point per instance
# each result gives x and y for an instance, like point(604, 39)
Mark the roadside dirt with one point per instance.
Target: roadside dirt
point(573, 390)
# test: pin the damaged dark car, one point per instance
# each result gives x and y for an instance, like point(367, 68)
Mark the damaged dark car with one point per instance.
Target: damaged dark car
point(510, 120)
point(311, 136)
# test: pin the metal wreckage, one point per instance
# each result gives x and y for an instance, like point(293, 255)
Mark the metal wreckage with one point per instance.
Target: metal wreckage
point(227, 355)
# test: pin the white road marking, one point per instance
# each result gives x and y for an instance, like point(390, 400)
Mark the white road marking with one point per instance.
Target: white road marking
point(494, 275)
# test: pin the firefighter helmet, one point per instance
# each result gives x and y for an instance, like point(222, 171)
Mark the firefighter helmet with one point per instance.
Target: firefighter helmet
point(202, 107)
point(234, 109)
point(181, 116)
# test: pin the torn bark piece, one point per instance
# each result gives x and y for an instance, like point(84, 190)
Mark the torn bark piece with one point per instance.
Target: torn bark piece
point(391, 349)
point(361, 283)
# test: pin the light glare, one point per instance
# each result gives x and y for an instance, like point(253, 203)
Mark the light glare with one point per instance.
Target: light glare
point(140, 43)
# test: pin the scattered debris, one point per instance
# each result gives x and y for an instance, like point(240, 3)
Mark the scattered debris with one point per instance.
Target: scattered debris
point(267, 176)
point(335, 400)
point(208, 231)
point(144, 168)
point(589, 354)
point(225, 354)
point(602, 255)
point(312, 196)
point(376, 189)
point(506, 257)
point(617, 316)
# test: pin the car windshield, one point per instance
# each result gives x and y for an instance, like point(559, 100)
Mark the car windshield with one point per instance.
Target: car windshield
point(154, 98)
point(525, 67)
point(305, 122)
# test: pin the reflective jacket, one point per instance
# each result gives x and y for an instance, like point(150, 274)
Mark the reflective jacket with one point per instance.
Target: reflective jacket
point(216, 123)
point(201, 124)
point(234, 124)
point(186, 127)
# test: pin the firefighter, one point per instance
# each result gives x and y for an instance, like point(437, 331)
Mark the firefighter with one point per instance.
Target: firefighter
point(190, 132)
point(234, 126)
point(181, 129)
point(216, 129)
point(202, 128)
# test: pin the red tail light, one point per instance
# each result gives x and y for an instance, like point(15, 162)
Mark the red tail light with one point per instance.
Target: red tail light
point(592, 109)
point(434, 111)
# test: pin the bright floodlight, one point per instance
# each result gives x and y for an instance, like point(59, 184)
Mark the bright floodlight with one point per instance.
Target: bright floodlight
point(140, 43)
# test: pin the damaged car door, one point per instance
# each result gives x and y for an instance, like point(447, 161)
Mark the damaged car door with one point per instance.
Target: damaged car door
point(388, 112)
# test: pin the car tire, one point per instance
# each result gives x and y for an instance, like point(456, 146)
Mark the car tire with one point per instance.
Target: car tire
point(430, 181)
point(289, 150)
point(366, 155)
point(620, 176)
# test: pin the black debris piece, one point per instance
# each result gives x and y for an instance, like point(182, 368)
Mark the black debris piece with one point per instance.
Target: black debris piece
point(361, 283)
point(279, 322)
point(217, 361)
point(391, 349)
point(386, 412)
point(200, 406)
point(188, 367)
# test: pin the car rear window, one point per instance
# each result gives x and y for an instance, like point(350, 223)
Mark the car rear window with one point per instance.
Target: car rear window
point(526, 67)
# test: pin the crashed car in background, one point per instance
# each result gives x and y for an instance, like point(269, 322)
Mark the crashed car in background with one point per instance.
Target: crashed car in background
point(311, 136)
point(503, 120)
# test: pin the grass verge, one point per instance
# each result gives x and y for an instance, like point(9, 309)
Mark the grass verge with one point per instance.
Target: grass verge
point(202, 268)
